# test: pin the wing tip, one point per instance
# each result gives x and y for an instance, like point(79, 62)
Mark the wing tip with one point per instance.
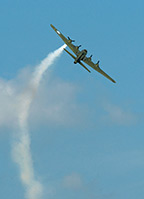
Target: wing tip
point(51, 25)
point(113, 81)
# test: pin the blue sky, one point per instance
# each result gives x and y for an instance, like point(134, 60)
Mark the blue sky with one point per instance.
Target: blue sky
point(92, 146)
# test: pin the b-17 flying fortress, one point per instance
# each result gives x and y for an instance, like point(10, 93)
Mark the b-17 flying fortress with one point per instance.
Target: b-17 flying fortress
point(81, 55)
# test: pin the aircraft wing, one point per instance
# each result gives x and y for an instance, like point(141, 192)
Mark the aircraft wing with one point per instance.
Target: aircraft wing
point(98, 69)
point(68, 42)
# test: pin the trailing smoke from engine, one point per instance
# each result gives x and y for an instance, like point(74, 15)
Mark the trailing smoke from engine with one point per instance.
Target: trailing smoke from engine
point(21, 146)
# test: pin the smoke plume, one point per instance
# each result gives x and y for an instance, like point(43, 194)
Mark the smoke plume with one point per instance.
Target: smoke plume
point(21, 148)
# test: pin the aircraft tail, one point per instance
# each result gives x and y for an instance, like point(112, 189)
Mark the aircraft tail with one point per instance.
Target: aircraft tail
point(70, 54)
point(78, 62)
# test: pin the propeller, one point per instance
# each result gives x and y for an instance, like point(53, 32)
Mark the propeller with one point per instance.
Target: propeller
point(79, 46)
point(90, 57)
point(71, 39)
point(98, 63)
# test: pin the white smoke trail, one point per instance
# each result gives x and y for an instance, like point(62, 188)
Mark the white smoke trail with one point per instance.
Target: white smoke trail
point(21, 148)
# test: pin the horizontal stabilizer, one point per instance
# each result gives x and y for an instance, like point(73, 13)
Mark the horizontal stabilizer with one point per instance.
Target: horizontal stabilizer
point(84, 67)
point(70, 54)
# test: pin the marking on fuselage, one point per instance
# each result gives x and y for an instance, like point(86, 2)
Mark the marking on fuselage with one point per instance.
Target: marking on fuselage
point(58, 32)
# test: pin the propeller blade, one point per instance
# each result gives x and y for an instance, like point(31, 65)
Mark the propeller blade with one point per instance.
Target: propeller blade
point(71, 39)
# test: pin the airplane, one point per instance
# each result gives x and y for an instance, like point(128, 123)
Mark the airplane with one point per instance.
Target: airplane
point(81, 55)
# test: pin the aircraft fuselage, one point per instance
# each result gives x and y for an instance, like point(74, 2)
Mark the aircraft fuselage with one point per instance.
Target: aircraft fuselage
point(80, 56)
